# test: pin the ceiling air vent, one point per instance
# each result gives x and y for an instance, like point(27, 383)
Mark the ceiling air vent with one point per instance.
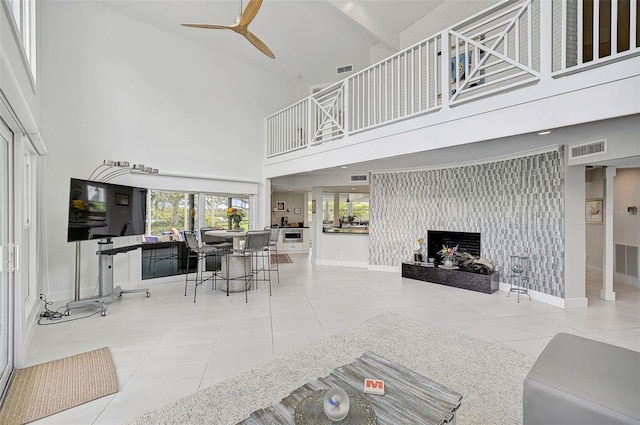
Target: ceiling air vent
point(343, 69)
point(590, 148)
point(359, 178)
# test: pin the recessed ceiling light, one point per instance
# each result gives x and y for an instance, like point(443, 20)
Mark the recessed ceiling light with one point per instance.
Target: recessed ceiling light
point(544, 133)
point(290, 189)
point(344, 166)
point(353, 188)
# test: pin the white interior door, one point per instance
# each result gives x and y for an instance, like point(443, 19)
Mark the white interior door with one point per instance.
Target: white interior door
point(6, 256)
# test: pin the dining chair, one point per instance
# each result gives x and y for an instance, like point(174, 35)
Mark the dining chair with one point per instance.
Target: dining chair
point(194, 250)
point(215, 263)
point(273, 248)
point(256, 243)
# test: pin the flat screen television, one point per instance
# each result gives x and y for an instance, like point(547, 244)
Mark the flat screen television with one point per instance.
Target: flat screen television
point(99, 210)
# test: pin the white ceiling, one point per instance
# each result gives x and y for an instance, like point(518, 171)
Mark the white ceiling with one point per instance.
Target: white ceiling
point(310, 38)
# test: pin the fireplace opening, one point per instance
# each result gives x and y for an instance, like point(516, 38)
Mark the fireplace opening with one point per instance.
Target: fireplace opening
point(467, 242)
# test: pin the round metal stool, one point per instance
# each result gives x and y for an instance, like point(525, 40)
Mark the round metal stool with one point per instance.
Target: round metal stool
point(519, 275)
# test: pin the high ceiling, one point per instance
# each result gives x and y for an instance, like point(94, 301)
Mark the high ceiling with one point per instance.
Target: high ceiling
point(310, 38)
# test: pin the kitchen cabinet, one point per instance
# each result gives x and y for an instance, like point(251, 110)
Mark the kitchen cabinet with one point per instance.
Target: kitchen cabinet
point(294, 239)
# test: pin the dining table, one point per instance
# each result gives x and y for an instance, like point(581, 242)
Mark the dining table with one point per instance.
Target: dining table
point(234, 265)
point(238, 235)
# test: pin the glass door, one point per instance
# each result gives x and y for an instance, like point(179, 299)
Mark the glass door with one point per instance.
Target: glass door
point(6, 267)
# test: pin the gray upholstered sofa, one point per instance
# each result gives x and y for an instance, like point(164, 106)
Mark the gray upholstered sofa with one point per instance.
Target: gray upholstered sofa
point(580, 381)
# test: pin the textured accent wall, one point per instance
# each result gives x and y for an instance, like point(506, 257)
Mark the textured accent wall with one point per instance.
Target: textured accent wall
point(516, 204)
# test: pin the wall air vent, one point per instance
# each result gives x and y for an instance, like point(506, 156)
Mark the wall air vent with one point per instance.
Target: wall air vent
point(343, 69)
point(590, 148)
point(627, 260)
point(359, 178)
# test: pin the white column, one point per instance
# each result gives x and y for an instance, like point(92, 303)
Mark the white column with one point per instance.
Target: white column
point(316, 194)
point(546, 42)
point(606, 293)
point(265, 203)
point(575, 238)
point(202, 211)
point(336, 209)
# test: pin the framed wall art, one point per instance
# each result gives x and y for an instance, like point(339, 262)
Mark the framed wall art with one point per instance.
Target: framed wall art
point(593, 211)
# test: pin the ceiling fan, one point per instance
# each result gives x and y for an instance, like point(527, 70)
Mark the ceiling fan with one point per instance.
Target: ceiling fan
point(241, 26)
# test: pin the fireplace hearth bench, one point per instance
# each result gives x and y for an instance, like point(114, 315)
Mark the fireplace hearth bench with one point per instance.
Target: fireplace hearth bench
point(486, 283)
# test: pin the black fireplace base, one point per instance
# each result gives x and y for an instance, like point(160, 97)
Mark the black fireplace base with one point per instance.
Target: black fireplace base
point(486, 283)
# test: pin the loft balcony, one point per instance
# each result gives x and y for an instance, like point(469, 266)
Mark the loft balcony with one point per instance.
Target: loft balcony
point(532, 52)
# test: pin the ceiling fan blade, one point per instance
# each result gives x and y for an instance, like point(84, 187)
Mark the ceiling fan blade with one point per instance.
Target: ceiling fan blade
point(210, 26)
point(250, 12)
point(259, 44)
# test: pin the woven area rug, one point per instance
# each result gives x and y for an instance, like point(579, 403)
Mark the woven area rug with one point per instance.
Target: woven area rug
point(282, 258)
point(42, 390)
point(489, 376)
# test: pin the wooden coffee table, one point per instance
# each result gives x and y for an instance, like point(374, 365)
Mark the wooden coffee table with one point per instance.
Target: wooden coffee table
point(410, 398)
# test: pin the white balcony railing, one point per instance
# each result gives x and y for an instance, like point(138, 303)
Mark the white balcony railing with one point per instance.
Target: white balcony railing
point(508, 46)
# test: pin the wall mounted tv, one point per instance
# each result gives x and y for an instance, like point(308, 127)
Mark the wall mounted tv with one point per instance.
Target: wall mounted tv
point(100, 210)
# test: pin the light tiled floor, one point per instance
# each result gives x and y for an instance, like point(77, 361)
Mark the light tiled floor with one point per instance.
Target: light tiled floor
point(166, 347)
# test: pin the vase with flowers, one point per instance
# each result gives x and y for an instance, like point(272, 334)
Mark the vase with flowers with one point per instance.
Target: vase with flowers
point(417, 254)
point(236, 215)
point(448, 255)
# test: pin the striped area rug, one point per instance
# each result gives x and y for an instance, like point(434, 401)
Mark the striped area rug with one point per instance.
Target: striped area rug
point(282, 258)
point(39, 391)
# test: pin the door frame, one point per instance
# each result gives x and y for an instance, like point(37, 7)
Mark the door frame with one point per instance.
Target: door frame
point(5, 375)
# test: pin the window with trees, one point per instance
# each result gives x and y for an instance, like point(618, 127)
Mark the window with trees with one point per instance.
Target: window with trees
point(345, 207)
point(216, 207)
point(169, 210)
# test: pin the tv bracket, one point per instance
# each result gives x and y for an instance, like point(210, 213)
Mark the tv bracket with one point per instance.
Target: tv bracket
point(107, 293)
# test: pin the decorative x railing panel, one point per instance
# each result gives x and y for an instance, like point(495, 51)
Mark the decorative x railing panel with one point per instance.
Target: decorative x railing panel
point(494, 53)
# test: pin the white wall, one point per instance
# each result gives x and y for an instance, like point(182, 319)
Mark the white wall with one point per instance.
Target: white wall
point(292, 200)
point(335, 249)
point(594, 233)
point(626, 226)
point(116, 88)
point(574, 239)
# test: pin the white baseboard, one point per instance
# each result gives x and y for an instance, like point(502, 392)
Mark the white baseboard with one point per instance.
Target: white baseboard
point(391, 269)
point(576, 302)
point(550, 299)
point(626, 280)
point(338, 263)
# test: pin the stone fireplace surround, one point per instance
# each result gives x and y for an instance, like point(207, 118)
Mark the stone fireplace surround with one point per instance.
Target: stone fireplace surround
point(517, 204)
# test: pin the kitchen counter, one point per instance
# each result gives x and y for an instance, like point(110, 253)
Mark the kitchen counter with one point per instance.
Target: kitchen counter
point(292, 227)
point(354, 230)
